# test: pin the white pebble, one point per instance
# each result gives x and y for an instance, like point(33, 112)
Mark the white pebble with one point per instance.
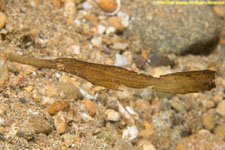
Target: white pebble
point(77, 22)
point(120, 46)
point(85, 117)
point(96, 41)
point(87, 5)
point(57, 75)
point(70, 9)
point(124, 113)
point(124, 18)
point(132, 112)
point(76, 49)
point(2, 121)
point(47, 100)
point(33, 3)
point(112, 115)
point(120, 60)
point(110, 30)
point(86, 94)
point(101, 29)
point(203, 131)
point(130, 133)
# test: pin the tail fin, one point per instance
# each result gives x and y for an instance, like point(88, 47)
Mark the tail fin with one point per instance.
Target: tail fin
point(186, 82)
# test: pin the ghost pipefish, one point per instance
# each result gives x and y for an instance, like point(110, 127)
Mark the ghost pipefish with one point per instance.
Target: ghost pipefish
point(113, 77)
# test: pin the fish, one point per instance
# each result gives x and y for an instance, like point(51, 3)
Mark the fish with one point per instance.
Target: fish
point(113, 77)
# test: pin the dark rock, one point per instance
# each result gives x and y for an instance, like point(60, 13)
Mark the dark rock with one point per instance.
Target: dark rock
point(40, 125)
point(22, 100)
point(2, 138)
point(159, 60)
point(140, 62)
point(178, 29)
point(26, 133)
point(34, 125)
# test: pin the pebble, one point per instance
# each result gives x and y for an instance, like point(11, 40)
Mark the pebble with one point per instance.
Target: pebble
point(162, 121)
point(158, 71)
point(120, 60)
point(220, 10)
point(148, 20)
point(143, 106)
point(86, 117)
point(51, 91)
point(26, 131)
point(124, 113)
point(96, 42)
point(131, 111)
point(208, 120)
point(119, 46)
point(124, 17)
point(145, 54)
point(56, 107)
point(40, 125)
point(68, 139)
point(75, 49)
point(70, 90)
point(101, 29)
point(147, 94)
point(70, 10)
point(3, 108)
point(56, 3)
point(220, 131)
point(122, 95)
point(112, 115)
point(34, 3)
point(93, 20)
point(12, 67)
point(3, 73)
point(116, 23)
point(57, 75)
point(35, 124)
point(2, 5)
point(22, 100)
point(149, 130)
point(146, 145)
point(107, 5)
point(35, 32)
point(178, 105)
point(221, 108)
point(129, 56)
point(156, 60)
point(77, 22)
point(130, 133)
point(140, 61)
point(46, 101)
point(86, 5)
point(60, 122)
point(2, 20)
point(201, 140)
point(29, 88)
point(2, 121)
point(89, 107)
point(110, 30)
point(109, 135)
point(207, 104)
